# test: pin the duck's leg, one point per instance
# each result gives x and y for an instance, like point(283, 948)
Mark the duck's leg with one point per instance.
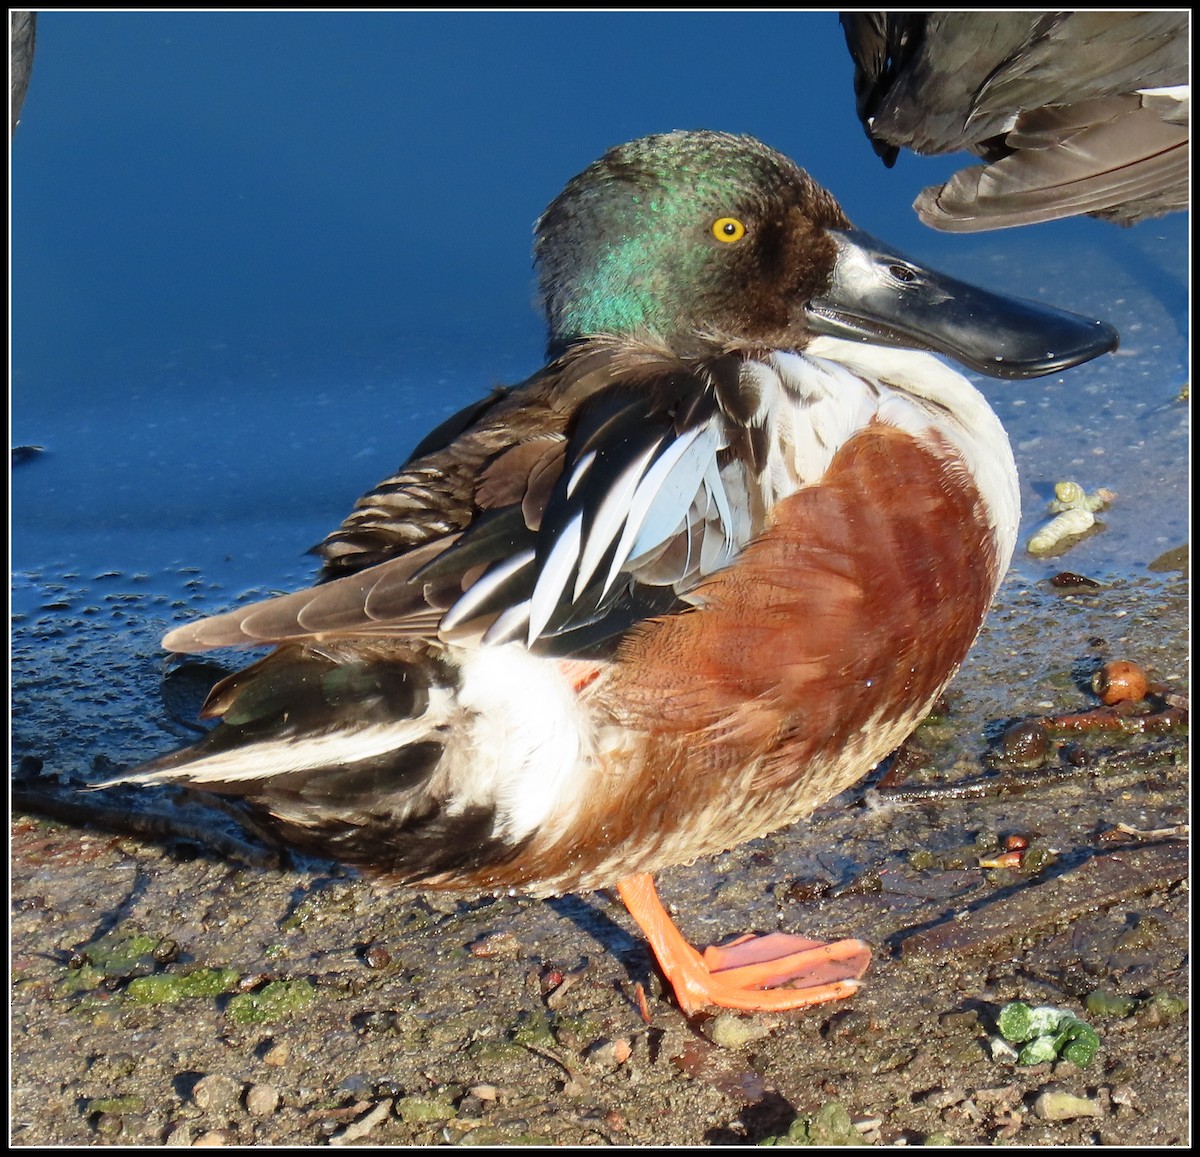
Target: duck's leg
point(739, 975)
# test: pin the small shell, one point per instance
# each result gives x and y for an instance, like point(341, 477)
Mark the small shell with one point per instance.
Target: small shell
point(1068, 524)
point(1072, 496)
point(1010, 859)
point(1069, 494)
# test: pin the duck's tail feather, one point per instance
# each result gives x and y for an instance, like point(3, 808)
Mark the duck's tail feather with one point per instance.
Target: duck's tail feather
point(344, 753)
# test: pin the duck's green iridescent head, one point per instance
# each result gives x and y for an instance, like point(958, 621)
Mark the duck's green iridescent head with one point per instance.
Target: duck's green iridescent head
point(708, 243)
point(694, 238)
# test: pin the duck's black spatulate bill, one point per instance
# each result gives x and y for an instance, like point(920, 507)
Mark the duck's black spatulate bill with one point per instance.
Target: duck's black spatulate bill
point(879, 295)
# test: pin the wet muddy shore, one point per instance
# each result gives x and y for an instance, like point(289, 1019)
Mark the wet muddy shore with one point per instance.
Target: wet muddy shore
point(169, 989)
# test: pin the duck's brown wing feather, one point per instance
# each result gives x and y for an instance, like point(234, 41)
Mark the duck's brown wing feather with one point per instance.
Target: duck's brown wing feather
point(1055, 102)
point(1117, 158)
point(565, 511)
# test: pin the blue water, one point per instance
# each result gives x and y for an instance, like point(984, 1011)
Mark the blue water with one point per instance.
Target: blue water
point(256, 256)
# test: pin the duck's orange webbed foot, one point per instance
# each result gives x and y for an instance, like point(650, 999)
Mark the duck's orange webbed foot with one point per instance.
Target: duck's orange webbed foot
point(742, 974)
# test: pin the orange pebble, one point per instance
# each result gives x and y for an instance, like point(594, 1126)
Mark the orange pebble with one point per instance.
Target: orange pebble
point(1120, 680)
point(1003, 860)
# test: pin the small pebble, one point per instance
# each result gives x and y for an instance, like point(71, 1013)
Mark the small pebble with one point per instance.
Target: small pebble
point(1161, 1008)
point(1005, 860)
point(112, 1067)
point(964, 1019)
point(29, 766)
point(23, 454)
point(555, 984)
point(277, 1055)
point(1003, 1095)
point(1058, 1105)
point(179, 1136)
point(943, 1098)
point(847, 1024)
point(210, 1139)
point(1119, 681)
point(1069, 579)
point(364, 1124)
point(217, 1091)
point(262, 1100)
point(729, 1031)
point(503, 945)
point(165, 951)
point(1026, 744)
point(1124, 1095)
point(418, 1109)
point(609, 1053)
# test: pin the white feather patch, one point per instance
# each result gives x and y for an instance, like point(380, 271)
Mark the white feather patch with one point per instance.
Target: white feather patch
point(840, 386)
point(267, 759)
point(645, 498)
point(552, 580)
point(581, 468)
point(530, 745)
point(674, 492)
point(509, 625)
point(479, 591)
point(610, 517)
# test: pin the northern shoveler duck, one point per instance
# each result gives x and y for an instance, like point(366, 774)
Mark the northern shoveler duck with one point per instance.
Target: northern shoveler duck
point(1073, 112)
point(695, 576)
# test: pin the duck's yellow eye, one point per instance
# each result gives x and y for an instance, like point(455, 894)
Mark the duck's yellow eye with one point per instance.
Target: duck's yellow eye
point(728, 229)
